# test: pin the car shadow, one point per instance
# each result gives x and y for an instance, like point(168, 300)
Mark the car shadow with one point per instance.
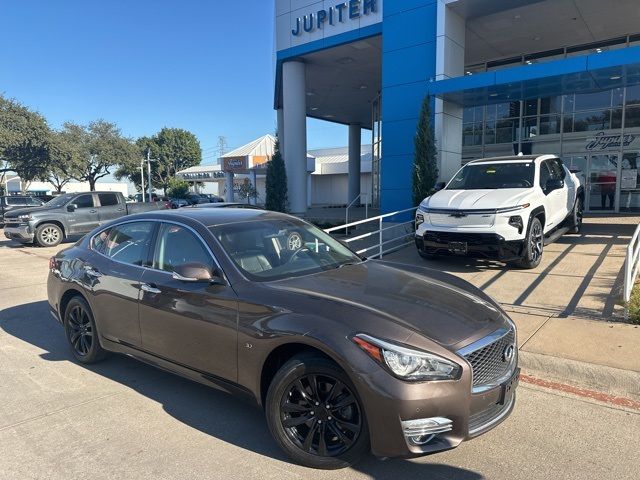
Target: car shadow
point(203, 408)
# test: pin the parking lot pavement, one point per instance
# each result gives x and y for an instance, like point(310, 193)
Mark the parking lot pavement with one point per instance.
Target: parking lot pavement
point(123, 419)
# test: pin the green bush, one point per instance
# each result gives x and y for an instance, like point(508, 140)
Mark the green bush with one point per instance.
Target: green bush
point(177, 188)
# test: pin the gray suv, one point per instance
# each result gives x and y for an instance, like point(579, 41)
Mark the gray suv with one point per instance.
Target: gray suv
point(9, 202)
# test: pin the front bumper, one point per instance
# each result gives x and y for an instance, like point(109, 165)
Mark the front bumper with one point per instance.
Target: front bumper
point(20, 233)
point(391, 405)
point(478, 245)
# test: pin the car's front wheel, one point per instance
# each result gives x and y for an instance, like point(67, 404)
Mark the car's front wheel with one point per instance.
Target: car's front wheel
point(315, 415)
point(49, 235)
point(576, 217)
point(534, 245)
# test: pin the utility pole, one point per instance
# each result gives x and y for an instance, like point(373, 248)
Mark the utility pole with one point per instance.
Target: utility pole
point(222, 146)
point(149, 174)
point(142, 178)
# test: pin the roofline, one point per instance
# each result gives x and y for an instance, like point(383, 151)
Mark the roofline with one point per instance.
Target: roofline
point(514, 158)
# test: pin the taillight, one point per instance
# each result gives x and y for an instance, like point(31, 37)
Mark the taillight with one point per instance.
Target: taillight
point(53, 264)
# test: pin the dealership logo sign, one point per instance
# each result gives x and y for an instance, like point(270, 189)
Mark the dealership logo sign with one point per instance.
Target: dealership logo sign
point(340, 13)
point(603, 141)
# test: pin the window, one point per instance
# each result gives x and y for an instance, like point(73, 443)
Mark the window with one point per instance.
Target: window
point(481, 176)
point(557, 172)
point(177, 246)
point(18, 201)
point(127, 243)
point(545, 174)
point(108, 199)
point(84, 201)
point(34, 201)
point(632, 117)
point(633, 95)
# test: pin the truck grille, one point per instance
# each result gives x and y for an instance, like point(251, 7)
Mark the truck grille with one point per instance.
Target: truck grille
point(488, 362)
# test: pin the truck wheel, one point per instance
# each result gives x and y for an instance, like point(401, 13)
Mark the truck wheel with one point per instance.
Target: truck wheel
point(49, 235)
point(534, 245)
point(576, 216)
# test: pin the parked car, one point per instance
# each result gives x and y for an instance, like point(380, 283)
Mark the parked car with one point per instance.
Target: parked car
point(345, 356)
point(196, 198)
point(225, 205)
point(505, 208)
point(212, 198)
point(178, 203)
point(10, 202)
point(140, 198)
point(70, 214)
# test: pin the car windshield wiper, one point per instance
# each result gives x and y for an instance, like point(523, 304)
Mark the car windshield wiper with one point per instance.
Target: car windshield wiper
point(348, 264)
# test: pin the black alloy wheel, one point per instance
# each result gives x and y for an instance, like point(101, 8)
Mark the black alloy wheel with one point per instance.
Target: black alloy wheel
point(534, 245)
point(80, 329)
point(578, 215)
point(315, 415)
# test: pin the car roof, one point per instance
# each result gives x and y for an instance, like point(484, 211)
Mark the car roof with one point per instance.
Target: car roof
point(512, 158)
point(211, 217)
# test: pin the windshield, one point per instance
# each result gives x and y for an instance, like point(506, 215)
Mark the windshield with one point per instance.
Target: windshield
point(493, 176)
point(275, 249)
point(60, 201)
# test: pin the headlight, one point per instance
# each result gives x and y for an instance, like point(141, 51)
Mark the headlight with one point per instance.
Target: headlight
point(406, 363)
point(24, 218)
point(513, 209)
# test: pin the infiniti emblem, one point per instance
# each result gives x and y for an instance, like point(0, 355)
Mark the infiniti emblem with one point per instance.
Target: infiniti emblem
point(508, 353)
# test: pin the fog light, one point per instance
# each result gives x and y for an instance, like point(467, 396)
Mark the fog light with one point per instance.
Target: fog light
point(422, 431)
point(516, 221)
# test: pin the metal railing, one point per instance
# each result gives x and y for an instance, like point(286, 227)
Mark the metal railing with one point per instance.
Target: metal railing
point(631, 264)
point(365, 197)
point(384, 239)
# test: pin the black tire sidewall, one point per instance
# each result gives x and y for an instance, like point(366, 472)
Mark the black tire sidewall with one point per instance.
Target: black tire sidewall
point(577, 225)
point(39, 233)
point(296, 367)
point(96, 352)
point(526, 261)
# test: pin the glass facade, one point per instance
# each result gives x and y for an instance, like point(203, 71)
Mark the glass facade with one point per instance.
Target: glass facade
point(597, 133)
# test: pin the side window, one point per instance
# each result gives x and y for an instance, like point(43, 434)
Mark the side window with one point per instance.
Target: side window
point(84, 201)
point(108, 199)
point(557, 170)
point(545, 174)
point(176, 246)
point(17, 201)
point(128, 243)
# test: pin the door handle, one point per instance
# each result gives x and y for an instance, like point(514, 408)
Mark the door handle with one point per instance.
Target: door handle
point(145, 287)
point(93, 211)
point(121, 209)
point(89, 270)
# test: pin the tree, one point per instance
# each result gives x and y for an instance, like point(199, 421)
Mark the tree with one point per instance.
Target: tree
point(247, 191)
point(100, 146)
point(276, 182)
point(425, 167)
point(66, 156)
point(172, 149)
point(24, 141)
point(177, 188)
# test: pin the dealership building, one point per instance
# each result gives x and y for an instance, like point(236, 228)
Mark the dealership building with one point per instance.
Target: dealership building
point(531, 76)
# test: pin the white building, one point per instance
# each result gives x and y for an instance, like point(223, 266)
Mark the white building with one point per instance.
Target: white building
point(13, 185)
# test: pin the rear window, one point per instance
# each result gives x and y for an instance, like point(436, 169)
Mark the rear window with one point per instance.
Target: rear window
point(16, 201)
point(108, 199)
point(494, 176)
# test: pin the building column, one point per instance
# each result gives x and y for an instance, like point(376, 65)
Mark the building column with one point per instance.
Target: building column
point(228, 186)
point(280, 132)
point(355, 155)
point(450, 45)
point(294, 101)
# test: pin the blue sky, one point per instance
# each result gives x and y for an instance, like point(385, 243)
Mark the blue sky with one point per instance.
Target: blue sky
point(206, 66)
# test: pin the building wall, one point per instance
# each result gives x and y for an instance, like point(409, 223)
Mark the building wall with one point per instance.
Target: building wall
point(409, 63)
point(333, 189)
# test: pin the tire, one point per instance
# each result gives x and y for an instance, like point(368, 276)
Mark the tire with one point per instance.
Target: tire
point(427, 256)
point(534, 245)
point(81, 333)
point(329, 438)
point(49, 235)
point(576, 216)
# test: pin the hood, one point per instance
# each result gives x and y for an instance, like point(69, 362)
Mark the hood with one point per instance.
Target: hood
point(16, 212)
point(477, 199)
point(443, 308)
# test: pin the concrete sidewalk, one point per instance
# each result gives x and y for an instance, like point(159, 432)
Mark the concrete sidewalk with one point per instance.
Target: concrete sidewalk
point(568, 310)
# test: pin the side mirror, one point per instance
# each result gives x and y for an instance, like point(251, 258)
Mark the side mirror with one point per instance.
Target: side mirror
point(197, 273)
point(575, 170)
point(72, 207)
point(554, 184)
point(439, 186)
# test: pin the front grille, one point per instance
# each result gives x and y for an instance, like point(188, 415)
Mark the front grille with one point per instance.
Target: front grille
point(11, 225)
point(488, 362)
point(470, 238)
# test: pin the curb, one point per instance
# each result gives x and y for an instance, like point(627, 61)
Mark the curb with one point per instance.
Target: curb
point(609, 380)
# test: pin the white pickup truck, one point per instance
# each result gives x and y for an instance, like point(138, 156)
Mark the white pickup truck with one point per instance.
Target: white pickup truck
point(505, 208)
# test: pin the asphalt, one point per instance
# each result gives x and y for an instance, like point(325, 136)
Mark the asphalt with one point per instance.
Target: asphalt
point(123, 419)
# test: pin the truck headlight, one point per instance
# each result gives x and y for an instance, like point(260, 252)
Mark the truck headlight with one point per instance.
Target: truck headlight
point(24, 218)
point(419, 219)
point(407, 363)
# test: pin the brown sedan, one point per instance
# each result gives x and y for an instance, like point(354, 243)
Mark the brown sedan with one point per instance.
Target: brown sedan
point(344, 355)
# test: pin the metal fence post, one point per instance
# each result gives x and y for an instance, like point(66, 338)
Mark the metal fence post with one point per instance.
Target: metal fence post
point(380, 237)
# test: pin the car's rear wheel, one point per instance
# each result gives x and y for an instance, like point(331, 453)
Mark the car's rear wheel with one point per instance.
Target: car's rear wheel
point(81, 332)
point(49, 235)
point(534, 245)
point(315, 415)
